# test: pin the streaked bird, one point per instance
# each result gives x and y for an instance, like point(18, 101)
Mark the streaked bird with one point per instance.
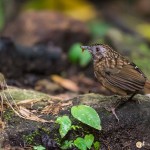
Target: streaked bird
point(117, 73)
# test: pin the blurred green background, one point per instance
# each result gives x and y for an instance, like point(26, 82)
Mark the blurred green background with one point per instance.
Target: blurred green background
point(125, 25)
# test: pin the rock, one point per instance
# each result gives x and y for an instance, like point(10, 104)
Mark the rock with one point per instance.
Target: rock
point(133, 126)
point(43, 27)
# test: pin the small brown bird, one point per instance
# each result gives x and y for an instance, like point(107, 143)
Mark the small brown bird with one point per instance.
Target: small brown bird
point(117, 73)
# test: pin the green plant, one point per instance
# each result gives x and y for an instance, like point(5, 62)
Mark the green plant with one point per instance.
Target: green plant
point(67, 144)
point(39, 147)
point(65, 125)
point(86, 115)
point(96, 145)
point(76, 56)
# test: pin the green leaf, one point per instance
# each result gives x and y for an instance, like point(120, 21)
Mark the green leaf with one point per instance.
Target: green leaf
point(89, 139)
point(39, 147)
point(76, 56)
point(86, 115)
point(96, 145)
point(74, 53)
point(65, 125)
point(75, 127)
point(80, 143)
point(85, 58)
point(67, 144)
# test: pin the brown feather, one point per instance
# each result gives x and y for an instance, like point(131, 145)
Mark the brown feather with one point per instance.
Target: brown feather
point(116, 72)
point(147, 87)
point(126, 78)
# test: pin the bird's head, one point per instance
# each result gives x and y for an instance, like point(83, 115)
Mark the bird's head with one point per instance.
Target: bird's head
point(98, 51)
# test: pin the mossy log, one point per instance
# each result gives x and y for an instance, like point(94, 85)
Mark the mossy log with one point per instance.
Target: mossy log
point(133, 125)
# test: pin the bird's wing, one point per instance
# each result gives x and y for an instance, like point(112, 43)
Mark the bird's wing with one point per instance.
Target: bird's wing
point(129, 77)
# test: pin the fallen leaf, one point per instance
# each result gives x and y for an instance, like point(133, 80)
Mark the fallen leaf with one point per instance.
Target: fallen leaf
point(52, 109)
point(55, 108)
point(67, 103)
point(56, 98)
point(30, 116)
point(66, 83)
point(28, 101)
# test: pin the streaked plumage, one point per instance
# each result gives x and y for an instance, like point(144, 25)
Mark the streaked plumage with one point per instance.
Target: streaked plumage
point(116, 72)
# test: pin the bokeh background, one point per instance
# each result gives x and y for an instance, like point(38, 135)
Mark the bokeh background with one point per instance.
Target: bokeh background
point(40, 41)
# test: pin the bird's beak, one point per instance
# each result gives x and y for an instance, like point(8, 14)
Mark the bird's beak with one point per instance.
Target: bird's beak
point(86, 48)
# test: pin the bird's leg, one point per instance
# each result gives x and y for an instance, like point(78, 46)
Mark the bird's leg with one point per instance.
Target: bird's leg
point(113, 108)
point(114, 113)
point(117, 102)
point(113, 104)
point(132, 96)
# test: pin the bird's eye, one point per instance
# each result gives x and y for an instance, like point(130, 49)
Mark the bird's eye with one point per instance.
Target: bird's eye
point(97, 49)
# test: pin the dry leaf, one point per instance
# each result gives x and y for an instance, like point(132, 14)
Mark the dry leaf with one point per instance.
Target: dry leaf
point(55, 108)
point(52, 109)
point(28, 101)
point(67, 103)
point(66, 83)
point(56, 98)
point(30, 116)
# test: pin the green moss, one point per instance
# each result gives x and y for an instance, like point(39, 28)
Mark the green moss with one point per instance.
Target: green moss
point(23, 94)
point(45, 130)
point(31, 138)
point(8, 115)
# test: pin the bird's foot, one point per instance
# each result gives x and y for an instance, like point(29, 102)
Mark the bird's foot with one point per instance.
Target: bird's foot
point(114, 113)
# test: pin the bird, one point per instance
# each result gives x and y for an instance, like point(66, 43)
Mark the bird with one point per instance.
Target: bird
point(117, 73)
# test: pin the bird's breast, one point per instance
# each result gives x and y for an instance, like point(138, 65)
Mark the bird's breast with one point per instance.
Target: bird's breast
point(99, 67)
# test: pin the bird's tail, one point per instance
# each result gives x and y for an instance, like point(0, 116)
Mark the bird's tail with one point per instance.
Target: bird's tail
point(147, 87)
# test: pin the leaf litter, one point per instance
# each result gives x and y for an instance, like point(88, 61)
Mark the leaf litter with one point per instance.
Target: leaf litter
point(17, 108)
